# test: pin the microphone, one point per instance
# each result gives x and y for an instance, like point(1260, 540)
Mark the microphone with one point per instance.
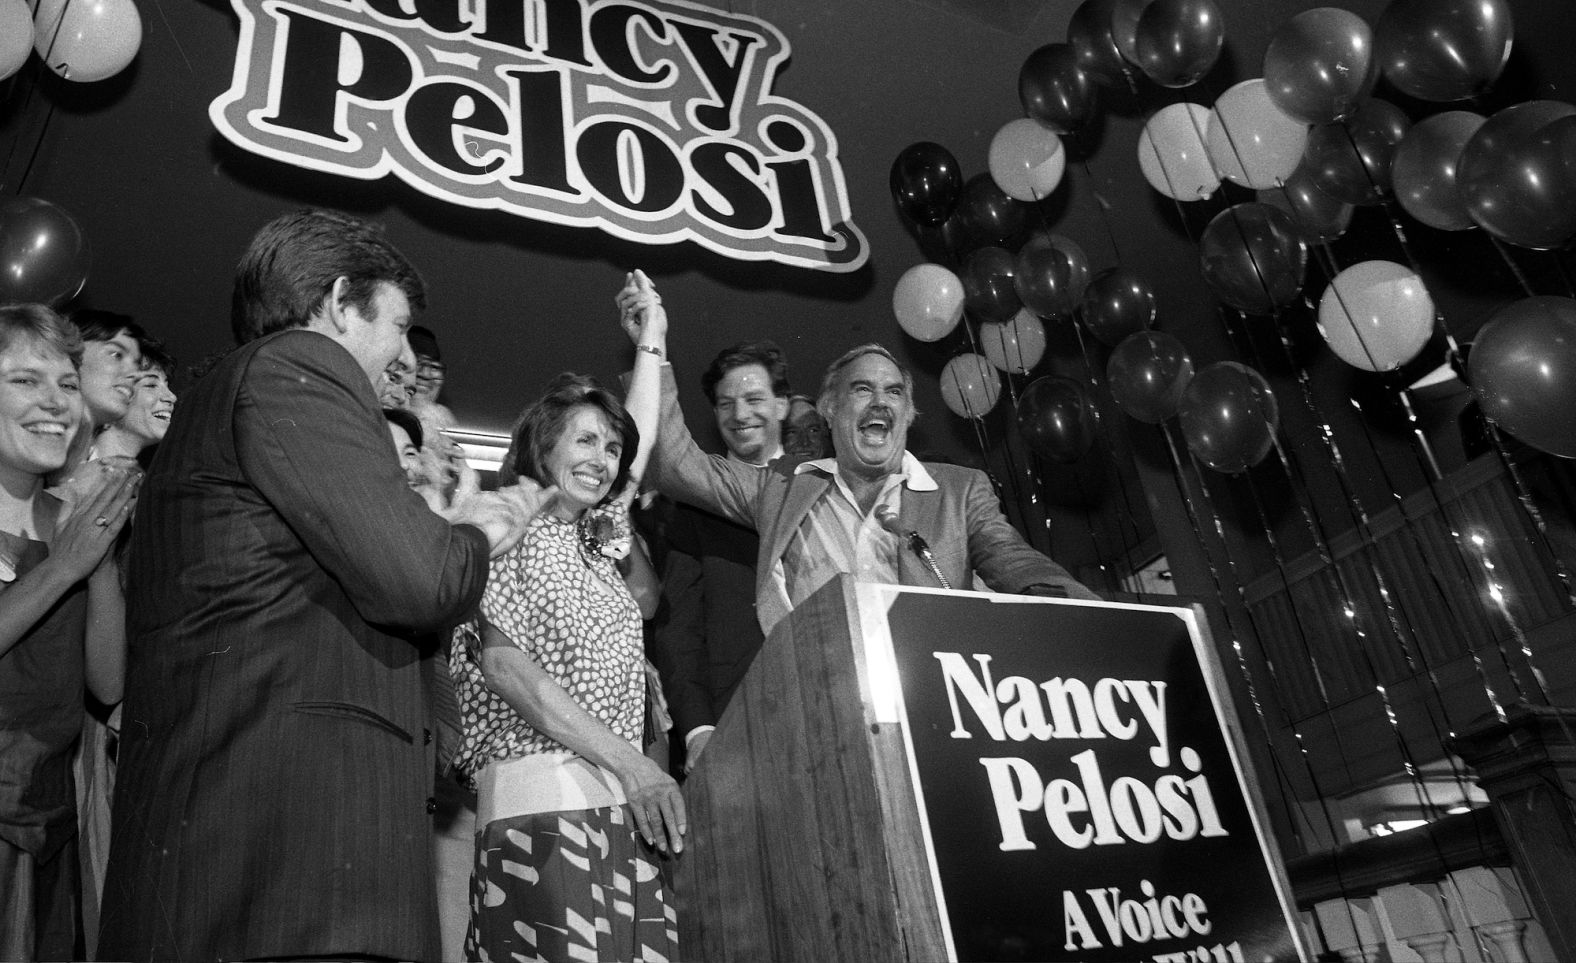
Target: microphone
point(887, 516)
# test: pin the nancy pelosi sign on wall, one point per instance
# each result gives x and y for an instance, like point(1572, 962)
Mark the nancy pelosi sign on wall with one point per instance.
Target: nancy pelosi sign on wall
point(652, 120)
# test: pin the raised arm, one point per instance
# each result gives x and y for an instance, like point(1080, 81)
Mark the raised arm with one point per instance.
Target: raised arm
point(677, 465)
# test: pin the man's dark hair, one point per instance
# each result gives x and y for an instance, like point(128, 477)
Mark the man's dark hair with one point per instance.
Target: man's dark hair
point(96, 325)
point(543, 423)
point(764, 353)
point(407, 421)
point(293, 262)
point(155, 357)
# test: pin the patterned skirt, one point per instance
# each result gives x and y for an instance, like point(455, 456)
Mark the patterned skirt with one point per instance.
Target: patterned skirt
point(561, 886)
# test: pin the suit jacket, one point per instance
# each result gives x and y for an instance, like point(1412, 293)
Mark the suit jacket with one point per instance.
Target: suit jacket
point(960, 520)
point(708, 634)
point(274, 770)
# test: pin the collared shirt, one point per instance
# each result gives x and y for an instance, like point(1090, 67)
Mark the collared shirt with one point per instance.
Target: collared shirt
point(836, 537)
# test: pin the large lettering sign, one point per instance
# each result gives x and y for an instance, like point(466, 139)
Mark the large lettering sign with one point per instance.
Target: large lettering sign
point(1082, 797)
point(653, 120)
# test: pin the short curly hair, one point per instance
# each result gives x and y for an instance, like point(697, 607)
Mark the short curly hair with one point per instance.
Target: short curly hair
point(541, 425)
point(764, 353)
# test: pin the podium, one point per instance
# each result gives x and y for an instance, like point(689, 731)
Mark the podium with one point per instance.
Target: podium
point(916, 775)
point(804, 840)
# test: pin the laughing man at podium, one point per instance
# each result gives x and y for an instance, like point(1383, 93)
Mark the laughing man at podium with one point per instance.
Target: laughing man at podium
point(873, 511)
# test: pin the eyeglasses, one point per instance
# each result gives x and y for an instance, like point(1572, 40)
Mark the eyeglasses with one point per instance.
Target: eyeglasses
point(428, 369)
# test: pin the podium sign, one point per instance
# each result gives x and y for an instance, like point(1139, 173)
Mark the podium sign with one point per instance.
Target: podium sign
point(1081, 788)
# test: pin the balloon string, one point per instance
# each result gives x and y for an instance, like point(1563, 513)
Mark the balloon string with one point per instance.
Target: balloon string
point(1530, 507)
point(983, 433)
point(1092, 369)
point(1565, 274)
point(1257, 634)
point(1510, 262)
point(1283, 780)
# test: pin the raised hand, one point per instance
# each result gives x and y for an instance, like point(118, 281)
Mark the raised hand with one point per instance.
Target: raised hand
point(640, 310)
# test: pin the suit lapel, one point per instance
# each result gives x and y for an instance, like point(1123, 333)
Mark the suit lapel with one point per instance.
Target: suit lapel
point(917, 513)
point(803, 490)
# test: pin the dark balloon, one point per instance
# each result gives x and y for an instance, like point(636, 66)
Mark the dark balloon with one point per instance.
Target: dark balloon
point(1319, 65)
point(1443, 50)
point(1178, 41)
point(1350, 160)
point(1089, 33)
point(1148, 373)
point(1517, 174)
point(1523, 370)
point(988, 213)
point(1125, 15)
point(988, 291)
point(1077, 260)
point(1319, 217)
point(1253, 257)
point(1044, 279)
point(1055, 90)
point(1056, 418)
point(1229, 417)
point(43, 256)
point(1116, 304)
point(926, 183)
point(1424, 169)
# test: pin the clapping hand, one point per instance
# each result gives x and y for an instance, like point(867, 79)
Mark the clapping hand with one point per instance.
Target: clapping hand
point(103, 497)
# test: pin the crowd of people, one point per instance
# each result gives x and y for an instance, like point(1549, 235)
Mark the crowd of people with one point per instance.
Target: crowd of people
point(251, 637)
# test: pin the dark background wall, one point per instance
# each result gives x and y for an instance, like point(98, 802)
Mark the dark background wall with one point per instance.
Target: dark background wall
point(168, 205)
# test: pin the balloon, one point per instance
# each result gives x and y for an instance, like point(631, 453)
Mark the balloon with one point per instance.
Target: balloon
point(926, 182)
point(1148, 373)
point(1229, 417)
point(1172, 155)
point(1523, 370)
point(1056, 418)
point(970, 386)
point(43, 255)
point(87, 40)
point(1515, 174)
point(1089, 34)
point(1014, 346)
point(1117, 303)
point(1253, 257)
point(16, 36)
point(988, 212)
point(1125, 15)
point(1026, 160)
point(1251, 141)
point(1178, 41)
point(1077, 260)
point(1376, 315)
point(1424, 169)
point(1043, 276)
point(1443, 49)
point(1054, 89)
point(1319, 217)
point(1320, 65)
point(988, 290)
point(928, 301)
point(1350, 159)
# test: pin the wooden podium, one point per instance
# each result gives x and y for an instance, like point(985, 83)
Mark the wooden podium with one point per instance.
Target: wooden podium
point(805, 842)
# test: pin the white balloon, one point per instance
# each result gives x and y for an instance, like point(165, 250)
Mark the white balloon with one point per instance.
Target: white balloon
point(1376, 315)
point(1251, 141)
point(1172, 154)
point(1027, 160)
point(970, 386)
point(1014, 346)
point(87, 40)
point(16, 36)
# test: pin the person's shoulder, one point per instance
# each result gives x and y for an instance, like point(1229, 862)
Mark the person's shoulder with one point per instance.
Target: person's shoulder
point(947, 475)
point(297, 348)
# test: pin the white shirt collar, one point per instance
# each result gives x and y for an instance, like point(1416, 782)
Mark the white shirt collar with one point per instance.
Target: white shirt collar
point(775, 455)
point(916, 478)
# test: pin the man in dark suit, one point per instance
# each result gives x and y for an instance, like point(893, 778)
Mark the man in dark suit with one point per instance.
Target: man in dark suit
point(708, 633)
point(274, 763)
point(820, 518)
